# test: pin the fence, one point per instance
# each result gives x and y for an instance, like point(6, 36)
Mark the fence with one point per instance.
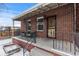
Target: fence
point(8, 32)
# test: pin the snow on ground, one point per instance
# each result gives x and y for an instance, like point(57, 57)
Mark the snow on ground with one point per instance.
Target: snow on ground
point(5, 41)
point(9, 41)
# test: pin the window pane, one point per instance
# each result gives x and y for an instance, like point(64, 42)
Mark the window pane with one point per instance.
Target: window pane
point(29, 21)
point(40, 20)
point(29, 27)
point(40, 27)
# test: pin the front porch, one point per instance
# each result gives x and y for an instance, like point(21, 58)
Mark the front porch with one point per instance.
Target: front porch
point(53, 24)
point(62, 47)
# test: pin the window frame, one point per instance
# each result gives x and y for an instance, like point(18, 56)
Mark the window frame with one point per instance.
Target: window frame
point(40, 23)
point(28, 24)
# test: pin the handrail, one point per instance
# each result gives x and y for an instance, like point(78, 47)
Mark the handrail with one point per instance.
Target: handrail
point(32, 37)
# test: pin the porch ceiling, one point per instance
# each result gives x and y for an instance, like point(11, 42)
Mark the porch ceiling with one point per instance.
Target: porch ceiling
point(40, 8)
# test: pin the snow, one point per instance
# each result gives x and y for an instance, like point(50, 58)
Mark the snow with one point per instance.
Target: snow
point(12, 47)
point(5, 41)
point(9, 41)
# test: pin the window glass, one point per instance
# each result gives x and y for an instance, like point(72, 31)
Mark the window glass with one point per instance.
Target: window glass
point(40, 23)
point(40, 27)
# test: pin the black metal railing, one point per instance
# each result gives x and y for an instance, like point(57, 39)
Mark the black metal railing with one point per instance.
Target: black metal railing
point(29, 36)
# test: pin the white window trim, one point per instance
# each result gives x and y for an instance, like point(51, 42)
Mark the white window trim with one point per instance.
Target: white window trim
point(41, 23)
point(40, 30)
point(40, 18)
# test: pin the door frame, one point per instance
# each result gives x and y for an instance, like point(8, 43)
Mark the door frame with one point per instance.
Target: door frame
point(55, 26)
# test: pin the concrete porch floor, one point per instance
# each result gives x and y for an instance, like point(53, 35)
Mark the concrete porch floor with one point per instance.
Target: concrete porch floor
point(45, 42)
point(59, 45)
point(35, 51)
point(41, 42)
point(56, 44)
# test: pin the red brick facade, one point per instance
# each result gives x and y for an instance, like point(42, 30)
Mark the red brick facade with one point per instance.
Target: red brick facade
point(23, 26)
point(77, 25)
point(64, 22)
point(23, 44)
point(77, 21)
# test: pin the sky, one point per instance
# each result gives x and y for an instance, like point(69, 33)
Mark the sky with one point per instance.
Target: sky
point(9, 10)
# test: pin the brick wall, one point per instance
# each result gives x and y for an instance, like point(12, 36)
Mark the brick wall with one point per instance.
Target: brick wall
point(23, 44)
point(77, 25)
point(77, 21)
point(64, 23)
point(23, 26)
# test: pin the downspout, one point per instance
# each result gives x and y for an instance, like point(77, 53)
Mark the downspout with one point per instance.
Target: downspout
point(74, 27)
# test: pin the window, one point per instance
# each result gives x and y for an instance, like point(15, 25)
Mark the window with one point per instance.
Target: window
point(40, 23)
point(40, 27)
point(29, 25)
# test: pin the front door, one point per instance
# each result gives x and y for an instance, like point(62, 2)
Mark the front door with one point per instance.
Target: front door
point(51, 27)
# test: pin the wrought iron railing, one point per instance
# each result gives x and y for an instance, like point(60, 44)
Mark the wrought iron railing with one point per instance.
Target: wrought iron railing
point(30, 38)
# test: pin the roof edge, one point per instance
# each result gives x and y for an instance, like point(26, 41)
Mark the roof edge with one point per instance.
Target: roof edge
point(27, 11)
